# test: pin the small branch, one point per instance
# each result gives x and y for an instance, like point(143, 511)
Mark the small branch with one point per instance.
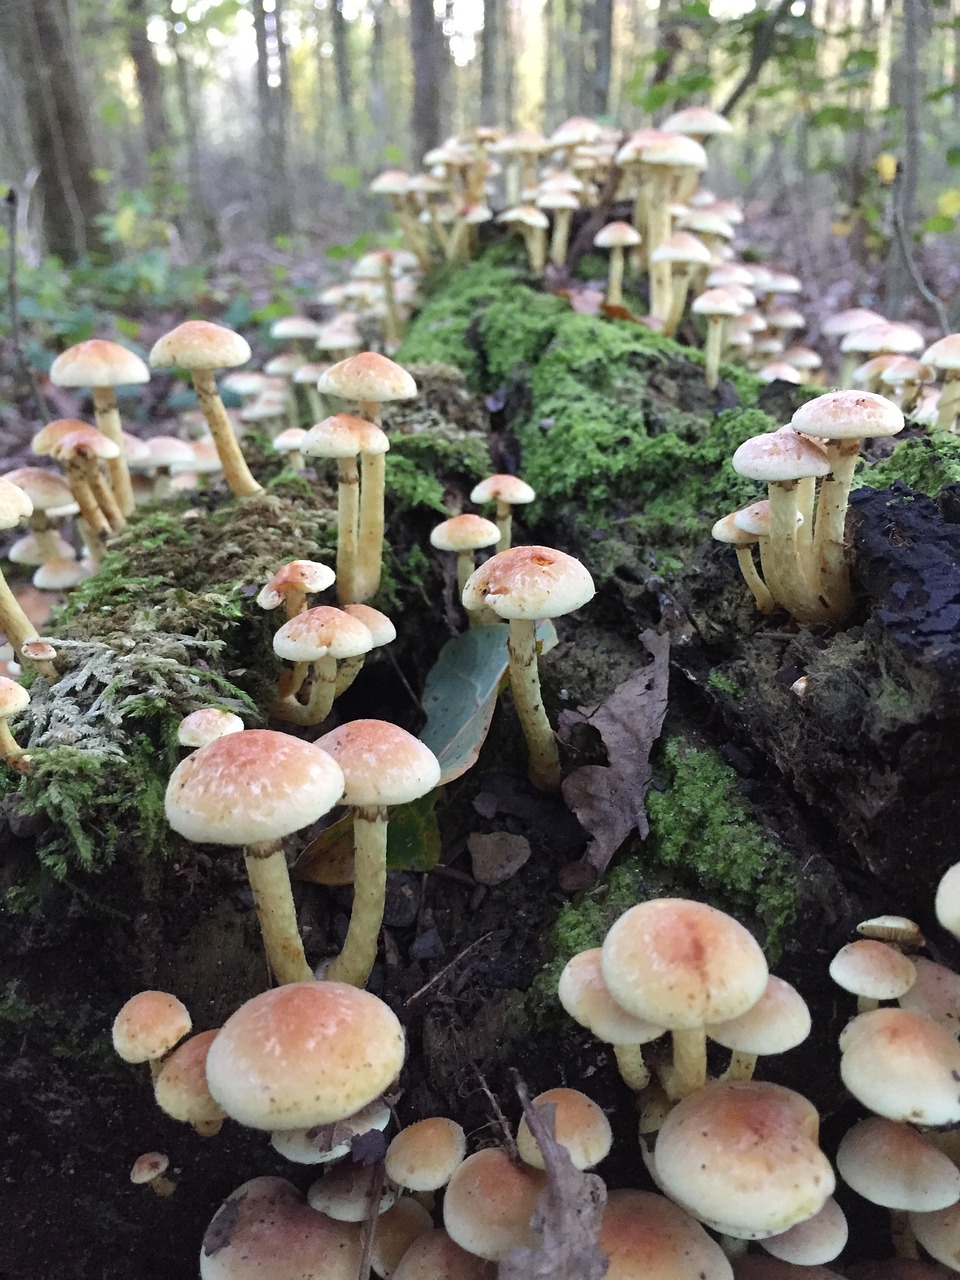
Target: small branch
point(903, 244)
point(760, 51)
point(583, 241)
point(13, 293)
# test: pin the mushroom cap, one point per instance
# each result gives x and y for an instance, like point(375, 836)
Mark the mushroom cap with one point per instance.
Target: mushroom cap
point(47, 490)
point(646, 1235)
point(199, 344)
point(62, 572)
point(848, 415)
point(555, 198)
point(344, 1192)
point(434, 1256)
point(902, 1065)
point(148, 1167)
point(944, 353)
point(526, 215)
point(674, 150)
point(284, 365)
point(742, 1156)
point(886, 336)
point(149, 1025)
point(377, 623)
point(899, 930)
point(872, 969)
point(180, 1087)
point(14, 505)
point(206, 725)
point(853, 318)
point(321, 1144)
point(935, 994)
point(939, 1233)
point(683, 247)
point(290, 440)
point(367, 376)
point(84, 442)
point(382, 764)
point(947, 903)
point(168, 453)
point(717, 302)
point(728, 531)
point(294, 327)
point(467, 532)
point(820, 1238)
point(780, 1020)
point(586, 997)
point(616, 235)
point(489, 1202)
point(580, 1126)
point(423, 1156)
point(343, 435)
point(13, 698)
point(392, 182)
point(780, 371)
point(317, 632)
point(266, 1231)
point(890, 1164)
point(304, 1054)
point(503, 488)
point(682, 964)
point(251, 788)
point(699, 121)
point(780, 456)
point(98, 362)
point(529, 582)
point(296, 575)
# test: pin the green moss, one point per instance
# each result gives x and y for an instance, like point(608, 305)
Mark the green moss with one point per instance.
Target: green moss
point(74, 1031)
point(723, 684)
point(702, 828)
point(927, 463)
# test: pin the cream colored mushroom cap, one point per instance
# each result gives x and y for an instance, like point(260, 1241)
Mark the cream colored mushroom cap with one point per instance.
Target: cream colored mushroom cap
point(684, 248)
point(717, 302)
point(817, 1239)
point(13, 698)
point(872, 969)
point(180, 1088)
point(646, 1235)
point(584, 994)
point(47, 490)
point(742, 1156)
point(939, 1233)
point(149, 1025)
point(886, 336)
point(296, 575)
point(206, 725)
point(423, 1156)
point(780, 456)
point(936, 994)
point(294, 327)
point(98, 362)
point(305, 1146)
point(780, 1020)
point(890, 1164)
point(700, 121)
point(944, 353)
point(674, 149)
point(682, 964)
point(902, 1065)
point(847, 415)
point(14, 505)
point(251, 788)
point(503, 488)
point(489, 1203)
point(434, 1256)
point(580, 1126)
point(344, 1192)
point(382, 764)
point(947, 903)
point(727, 530)
point(199, 344)
point(317, 632)
point(616, 235)
point(367, 376)
point(304, 1054)
point(267, 1231)
point(529, 583)
point(467, 532)
point(378, 624)
point(343, 435)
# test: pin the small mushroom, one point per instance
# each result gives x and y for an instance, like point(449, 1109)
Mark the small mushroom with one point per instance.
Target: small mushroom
point(13, 699)
point(149, 1169)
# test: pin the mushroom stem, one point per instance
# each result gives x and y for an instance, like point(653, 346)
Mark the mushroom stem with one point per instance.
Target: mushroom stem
point(634, 1072)
point(948, 406)
point(273, 897)
point(355, 962)
point(504, 522)
point(658, 230)
point(716, 326)
point(78, 479)
point(544, 767)
point(18, 628)
point(560, 236)
point(788, 580)
point(828, 536)
point(689, 1070)
point(348, 522)
point(10, 752)
point(347, 672)
point(370, 548)
point(758, 588)
point(108, 420)
point(615, 277)
point(235, 470)
point(322, 693)
point(902, 1235)
point(741, 1067)
point(466, 563)
point(105, 498)
point(679, 287)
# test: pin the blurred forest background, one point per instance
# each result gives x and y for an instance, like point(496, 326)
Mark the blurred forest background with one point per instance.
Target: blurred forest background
point(160, 132)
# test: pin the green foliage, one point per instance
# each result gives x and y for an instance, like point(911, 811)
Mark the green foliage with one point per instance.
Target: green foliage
point(702, 828)
point(926, 463)
point(74, 1031)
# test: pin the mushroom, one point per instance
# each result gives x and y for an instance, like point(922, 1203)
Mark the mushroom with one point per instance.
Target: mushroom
point(902, 1065)
point(643, 1234)
point(727, 531)
point(944, 354)
point(52, 500)
point(206, 725)
point(148, 1171)
point(382, 765)
point(616, 236)
point(371, 380)
point(13, 699)
point(342, 436)
point(718, 305)
point(817, 1239)
point(523, 585)
point(47, 442)
point(252, 789)
point(532, 224)
point(103, 365)
point(424, 1156)
point(685, 254)
point(202, 348)
point(148, 1027)
point(465, 535)
point(507, 492)
point(382, 631)
point(489, 1203)
point(289, 444)
point(579, 1126)
point(317, 638)
point(872, 972)
point(292, 583)
point(562, 204)
point(14, 623)
point(780, 1020)
point(180, 1086)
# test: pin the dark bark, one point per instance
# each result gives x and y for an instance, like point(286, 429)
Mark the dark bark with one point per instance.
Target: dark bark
point(489, 59)
point(60, 128)
point(203, 215)
point(377, 80)
point(271, 116)
point(157, 136)
point(429, 50)
point(909, 82)
point(760, 51)
point(344, 72)
point(602, 45)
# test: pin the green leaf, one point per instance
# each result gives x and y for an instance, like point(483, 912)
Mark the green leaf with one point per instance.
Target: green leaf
point(347, 175)
point(392, 154)
point(940, 223)
point(953, 157)
point(460, 693)
point(413, 844)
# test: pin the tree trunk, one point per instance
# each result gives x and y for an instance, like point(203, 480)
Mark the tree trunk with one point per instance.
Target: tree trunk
point(489, 58)
point(203, 215)
point(429, 49)
point(59, 124)
point(341, 59)
point(909, 82)
point(377, 90)
point(602, 40)
point(271, 116)
point(157, 137)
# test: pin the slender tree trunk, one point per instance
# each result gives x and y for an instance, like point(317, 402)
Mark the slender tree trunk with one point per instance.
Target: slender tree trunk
point(270, 115)
point(602, 40)
point(910, 86)
point(157, 136)
point(341, 58)
point(59, 123)
point(429, 49)
point(489, 60)
point(377, 79)
point(205, 218)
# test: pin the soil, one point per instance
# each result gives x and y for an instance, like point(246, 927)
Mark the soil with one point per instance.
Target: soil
point(857, 790)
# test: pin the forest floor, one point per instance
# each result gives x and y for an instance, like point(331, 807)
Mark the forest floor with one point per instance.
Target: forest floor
point(800, 817)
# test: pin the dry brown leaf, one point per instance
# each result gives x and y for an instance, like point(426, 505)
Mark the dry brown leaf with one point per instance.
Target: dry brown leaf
point(568, 1215)
point(609, 799)
point(585, 301)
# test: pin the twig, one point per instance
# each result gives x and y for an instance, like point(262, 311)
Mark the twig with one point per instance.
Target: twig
point(583, 241)
point(374, 1196)
point(13, 293)
point(438, 977)
point(506, 1133)
point(913, 270)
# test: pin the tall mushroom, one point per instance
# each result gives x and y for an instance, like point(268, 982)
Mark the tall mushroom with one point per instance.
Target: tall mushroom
point(318, 638)
point(103, 365)
point(507, 492)
point(252, 789)
point(617, 237)
point(382, 765)
point(523, 585)
point(14, 623)
point(202, 348)
point(342, 436)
